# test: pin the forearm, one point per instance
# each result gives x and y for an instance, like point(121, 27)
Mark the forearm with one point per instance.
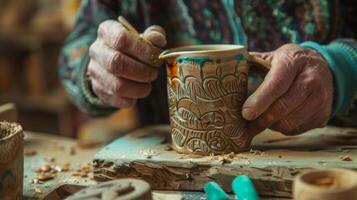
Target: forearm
point(341, 56)
point(74, 58)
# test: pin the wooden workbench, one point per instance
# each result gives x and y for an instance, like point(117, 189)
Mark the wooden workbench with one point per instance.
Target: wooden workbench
point(272, 162)
point(277, 160)
point(52, 146)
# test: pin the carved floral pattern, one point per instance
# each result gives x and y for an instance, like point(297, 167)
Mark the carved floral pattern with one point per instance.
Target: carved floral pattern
point(205, 101)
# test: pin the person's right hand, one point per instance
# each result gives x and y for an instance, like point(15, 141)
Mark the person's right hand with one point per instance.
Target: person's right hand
point(123, 65)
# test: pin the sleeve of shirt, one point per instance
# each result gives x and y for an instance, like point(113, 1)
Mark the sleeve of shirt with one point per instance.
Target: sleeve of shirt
point(341, 55)
point(74, 57)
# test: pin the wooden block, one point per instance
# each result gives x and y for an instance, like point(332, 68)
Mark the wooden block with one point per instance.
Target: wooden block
point(273, 163)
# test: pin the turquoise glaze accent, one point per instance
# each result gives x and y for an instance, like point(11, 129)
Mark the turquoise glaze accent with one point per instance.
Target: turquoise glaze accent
point(244, 189)
point(239, 57)
point(199, 60)
point(215, 192)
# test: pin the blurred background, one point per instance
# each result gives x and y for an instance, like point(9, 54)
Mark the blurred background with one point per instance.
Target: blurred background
point(32, 33)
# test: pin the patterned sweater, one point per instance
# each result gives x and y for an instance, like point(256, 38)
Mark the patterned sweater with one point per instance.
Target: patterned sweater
point(261, 25)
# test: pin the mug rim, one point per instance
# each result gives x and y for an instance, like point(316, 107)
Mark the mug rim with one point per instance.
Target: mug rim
point(211, 49)
point(18, 131)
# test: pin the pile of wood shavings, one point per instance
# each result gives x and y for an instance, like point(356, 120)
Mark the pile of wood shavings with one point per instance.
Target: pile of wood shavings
point(83, 170)
point(51, 170)
point(345, 158)
point(148, 153)
point(48, 171)
point(228, 158)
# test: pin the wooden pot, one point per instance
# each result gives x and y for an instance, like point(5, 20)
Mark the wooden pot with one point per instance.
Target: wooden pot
point(11, 161)
point(325, 184)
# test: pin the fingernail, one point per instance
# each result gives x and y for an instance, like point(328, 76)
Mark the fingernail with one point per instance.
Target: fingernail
point(248, 114)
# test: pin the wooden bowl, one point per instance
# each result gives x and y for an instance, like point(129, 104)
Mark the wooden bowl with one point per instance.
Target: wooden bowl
point(325, 184)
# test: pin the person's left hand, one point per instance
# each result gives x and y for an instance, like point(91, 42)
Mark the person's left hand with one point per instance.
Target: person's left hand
point(296, 94)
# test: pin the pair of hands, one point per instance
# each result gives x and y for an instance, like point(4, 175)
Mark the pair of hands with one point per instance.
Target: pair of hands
point(295, 96)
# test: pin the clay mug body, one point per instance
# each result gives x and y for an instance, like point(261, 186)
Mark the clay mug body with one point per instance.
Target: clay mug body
point(207, 86)
point(11, 161)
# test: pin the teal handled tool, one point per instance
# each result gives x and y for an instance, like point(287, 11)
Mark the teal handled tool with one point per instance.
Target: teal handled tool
point(215, 192)
point(242, 187)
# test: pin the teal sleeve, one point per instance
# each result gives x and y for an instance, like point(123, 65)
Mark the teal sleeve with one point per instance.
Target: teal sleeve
point(341, 55)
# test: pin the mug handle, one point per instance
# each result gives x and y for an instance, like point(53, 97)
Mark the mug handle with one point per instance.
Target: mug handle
point(258, 65)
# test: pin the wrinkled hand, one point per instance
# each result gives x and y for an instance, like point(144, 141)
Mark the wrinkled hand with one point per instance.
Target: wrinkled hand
point(295, 96)
point(123, 65)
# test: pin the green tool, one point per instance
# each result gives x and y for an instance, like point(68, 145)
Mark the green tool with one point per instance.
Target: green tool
point(242, 187)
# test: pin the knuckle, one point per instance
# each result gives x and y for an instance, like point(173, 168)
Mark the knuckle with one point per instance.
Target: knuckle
point(91, 69)
point(286, 125)
point(97, 89)
point(102, 28)
point(281, 107)
point(121, 40)
point(310, 82)
point(92, 49)
point(116, 63)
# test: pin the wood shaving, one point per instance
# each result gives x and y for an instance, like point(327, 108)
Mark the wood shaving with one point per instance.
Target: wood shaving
point(168, 148)
point(65, 167)
point(30, 152)
point(49, 159)
point(45, 176)
point(226, 158)
point(37, 170)
point(148, 153)
point(247, 162)
point(256, 152)
point(37, 190)
point(45, 168)
point(345, 158)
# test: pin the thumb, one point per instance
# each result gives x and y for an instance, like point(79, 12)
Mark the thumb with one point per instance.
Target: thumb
point(268, 56)
point(156, 35)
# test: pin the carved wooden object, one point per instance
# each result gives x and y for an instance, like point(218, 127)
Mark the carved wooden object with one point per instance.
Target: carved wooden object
point(206, 93)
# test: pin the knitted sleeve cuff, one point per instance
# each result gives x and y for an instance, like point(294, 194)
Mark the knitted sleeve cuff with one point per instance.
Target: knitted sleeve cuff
point(341, 56)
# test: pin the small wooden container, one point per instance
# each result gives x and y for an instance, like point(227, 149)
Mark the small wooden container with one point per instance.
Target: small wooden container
point(325, 184)
point(11, 161)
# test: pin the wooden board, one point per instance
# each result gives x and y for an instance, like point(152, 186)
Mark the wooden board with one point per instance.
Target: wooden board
point(65, 184)
point(145, 154)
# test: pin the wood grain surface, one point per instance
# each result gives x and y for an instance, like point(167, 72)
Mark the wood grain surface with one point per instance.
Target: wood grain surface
point(272, 163)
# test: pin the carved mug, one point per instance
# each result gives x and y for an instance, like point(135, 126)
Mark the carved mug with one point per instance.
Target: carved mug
point(11, 161)
point(207, 86)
